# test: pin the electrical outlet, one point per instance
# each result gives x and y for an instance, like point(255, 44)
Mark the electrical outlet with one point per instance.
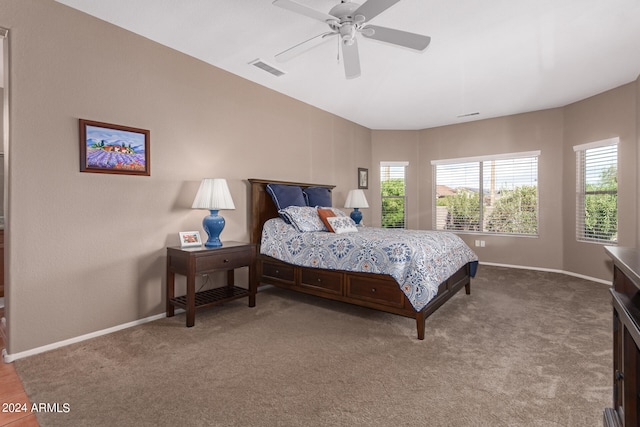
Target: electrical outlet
point(482, 243)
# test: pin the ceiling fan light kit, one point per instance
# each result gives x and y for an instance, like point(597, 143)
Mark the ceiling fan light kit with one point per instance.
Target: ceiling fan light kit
point(347, 19)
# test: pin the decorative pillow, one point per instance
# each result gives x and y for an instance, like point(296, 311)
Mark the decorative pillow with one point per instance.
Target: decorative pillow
point(286, 195)
point(324, 214)
point(303, 218)
point(336, 211)
point(342, 224)
point(317, 196)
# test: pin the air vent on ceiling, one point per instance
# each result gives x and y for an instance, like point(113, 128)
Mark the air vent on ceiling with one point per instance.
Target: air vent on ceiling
point(267, 67)
point(468, 114)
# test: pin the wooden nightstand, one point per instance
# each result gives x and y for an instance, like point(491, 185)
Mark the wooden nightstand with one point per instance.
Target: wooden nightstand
point(198, 260)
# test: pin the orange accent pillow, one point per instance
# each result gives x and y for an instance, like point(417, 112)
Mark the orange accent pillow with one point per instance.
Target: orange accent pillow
point(324, 214)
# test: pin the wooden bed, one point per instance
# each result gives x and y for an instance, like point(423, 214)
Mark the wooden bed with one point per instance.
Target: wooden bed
point(376, 291)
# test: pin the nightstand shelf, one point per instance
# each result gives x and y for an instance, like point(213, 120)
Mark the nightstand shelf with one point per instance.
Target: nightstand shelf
point(193, 261)
point(212, 297)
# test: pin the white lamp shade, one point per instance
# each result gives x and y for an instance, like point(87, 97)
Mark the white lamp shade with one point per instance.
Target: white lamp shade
point(213, 194)
point(356, 199)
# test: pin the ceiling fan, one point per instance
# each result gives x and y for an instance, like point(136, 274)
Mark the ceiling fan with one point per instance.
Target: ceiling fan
point(347, 19)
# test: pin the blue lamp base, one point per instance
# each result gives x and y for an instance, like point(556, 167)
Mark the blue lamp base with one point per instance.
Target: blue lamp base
point(356, 216)
point(213, 225)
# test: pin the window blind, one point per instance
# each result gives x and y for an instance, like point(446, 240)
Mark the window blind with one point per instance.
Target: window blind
point(393, 194)
point(492, 194)
point(597, 191)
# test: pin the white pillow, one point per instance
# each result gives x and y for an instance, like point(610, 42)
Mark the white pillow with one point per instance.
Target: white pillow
point(342, 224)
point(303, 218)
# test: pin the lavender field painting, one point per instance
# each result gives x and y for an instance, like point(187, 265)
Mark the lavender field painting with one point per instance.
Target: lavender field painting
point(114, 149)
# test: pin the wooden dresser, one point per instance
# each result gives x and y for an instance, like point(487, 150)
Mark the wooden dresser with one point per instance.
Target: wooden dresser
point(626, 337)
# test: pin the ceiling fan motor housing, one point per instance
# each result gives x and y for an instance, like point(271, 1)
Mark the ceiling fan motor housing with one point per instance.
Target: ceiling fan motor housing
point(344, 11)
point(346, 24)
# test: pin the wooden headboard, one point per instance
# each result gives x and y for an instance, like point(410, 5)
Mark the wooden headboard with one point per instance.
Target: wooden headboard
point(262, 206)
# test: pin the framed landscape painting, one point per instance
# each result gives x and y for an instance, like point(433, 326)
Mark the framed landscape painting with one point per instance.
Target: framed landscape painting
point(363, 178)
point(108, 148)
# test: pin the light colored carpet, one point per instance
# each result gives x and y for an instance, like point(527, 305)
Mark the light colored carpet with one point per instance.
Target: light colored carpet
point(524, 349)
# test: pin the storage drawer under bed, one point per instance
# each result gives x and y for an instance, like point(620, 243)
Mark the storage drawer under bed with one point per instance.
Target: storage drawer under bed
point(379, 291)
point(326, 281)
point(278, 271)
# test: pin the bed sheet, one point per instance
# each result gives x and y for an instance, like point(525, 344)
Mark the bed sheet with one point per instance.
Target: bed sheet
point(419, 260)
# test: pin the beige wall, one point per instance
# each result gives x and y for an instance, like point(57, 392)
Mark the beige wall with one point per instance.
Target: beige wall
point(554, 132)
point(86, 251)
point(540, 130)
point(394, 146)
point(606, 115)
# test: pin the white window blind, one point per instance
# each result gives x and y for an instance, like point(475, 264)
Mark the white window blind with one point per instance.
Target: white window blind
point(489, 194)
point(393, 194)
point(597, 191)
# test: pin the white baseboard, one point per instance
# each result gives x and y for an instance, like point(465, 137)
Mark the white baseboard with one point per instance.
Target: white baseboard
point(549, 270)
point(8, 358)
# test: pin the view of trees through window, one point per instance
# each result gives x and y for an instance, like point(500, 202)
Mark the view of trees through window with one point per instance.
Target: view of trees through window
point(499, 194)
point(392, 185)
point(490, 196)
point(597, 204)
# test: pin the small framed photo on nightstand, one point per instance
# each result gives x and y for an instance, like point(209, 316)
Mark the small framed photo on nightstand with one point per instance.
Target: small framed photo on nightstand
point(190, 239)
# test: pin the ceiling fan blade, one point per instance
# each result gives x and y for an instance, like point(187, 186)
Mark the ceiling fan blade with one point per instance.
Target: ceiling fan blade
point(372, 8)
point(304, 10)
point(351, 59)
point(397, 37)
point(306, 45)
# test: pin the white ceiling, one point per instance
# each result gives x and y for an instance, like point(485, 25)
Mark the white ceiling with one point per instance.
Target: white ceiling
point(494, 57)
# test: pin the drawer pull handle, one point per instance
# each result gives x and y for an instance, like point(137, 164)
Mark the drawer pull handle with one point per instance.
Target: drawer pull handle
point(319, 280)
point(226, 260)
point(373, 290)
point(277, 271)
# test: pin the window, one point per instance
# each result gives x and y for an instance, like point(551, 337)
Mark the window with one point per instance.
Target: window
point(392, 185)
point(488, 194)
point(597, 191)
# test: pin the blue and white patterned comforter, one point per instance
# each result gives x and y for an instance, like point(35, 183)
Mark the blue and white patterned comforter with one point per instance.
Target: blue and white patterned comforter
point(419, 260)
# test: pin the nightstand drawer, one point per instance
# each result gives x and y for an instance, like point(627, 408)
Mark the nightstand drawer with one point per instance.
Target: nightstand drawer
point(327, 281)
point(223, 261)
point(385, 292)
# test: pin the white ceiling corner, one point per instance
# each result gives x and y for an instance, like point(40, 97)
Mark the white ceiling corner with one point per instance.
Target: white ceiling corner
point(495, 57)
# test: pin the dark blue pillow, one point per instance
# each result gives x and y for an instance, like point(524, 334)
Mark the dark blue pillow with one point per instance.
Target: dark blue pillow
point(317, 196)
point(286, 195)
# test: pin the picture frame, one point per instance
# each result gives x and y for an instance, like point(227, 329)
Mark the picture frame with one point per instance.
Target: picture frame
point(190, 239)
point(363, 178)
point(113, 149)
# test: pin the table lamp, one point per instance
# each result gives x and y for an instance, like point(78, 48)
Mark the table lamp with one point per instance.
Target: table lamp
point(213, 195)
point(356, 200)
